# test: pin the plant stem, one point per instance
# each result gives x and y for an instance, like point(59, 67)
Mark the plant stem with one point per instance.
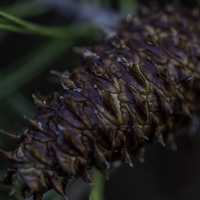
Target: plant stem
point(98, 187)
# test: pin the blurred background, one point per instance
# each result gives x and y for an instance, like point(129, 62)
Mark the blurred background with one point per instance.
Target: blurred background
point(37, 36)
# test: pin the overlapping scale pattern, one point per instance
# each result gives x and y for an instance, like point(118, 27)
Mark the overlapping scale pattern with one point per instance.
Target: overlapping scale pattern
point(138, 87)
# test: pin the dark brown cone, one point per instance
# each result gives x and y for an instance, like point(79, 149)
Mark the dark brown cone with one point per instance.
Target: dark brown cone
point(138, 87)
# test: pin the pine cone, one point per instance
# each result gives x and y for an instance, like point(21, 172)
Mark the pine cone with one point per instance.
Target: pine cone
point(138, 87)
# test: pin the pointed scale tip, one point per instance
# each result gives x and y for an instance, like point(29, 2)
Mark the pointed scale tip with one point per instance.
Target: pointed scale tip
point(10, 135)
point(38, 101)
point(6, 155)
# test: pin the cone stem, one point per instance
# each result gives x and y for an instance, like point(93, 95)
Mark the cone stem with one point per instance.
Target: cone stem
point(98, 187)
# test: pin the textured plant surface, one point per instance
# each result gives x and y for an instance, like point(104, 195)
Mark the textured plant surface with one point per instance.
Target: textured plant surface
point(138, 87)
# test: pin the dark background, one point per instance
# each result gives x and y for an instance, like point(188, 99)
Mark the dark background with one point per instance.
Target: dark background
point(25, 62)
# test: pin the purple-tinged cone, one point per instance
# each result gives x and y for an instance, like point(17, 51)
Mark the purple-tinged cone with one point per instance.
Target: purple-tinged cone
point(138, 87)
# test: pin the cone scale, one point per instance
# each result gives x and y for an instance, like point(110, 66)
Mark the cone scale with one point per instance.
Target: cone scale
point(141, 86)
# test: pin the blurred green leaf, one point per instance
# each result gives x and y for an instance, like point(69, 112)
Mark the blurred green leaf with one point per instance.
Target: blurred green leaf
point(25, 8)
point(23, 26)
point(52, 195)
point(38, 60)
point(128, 6)
point(21, 105)
point(16, 24)
point(11, 28)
